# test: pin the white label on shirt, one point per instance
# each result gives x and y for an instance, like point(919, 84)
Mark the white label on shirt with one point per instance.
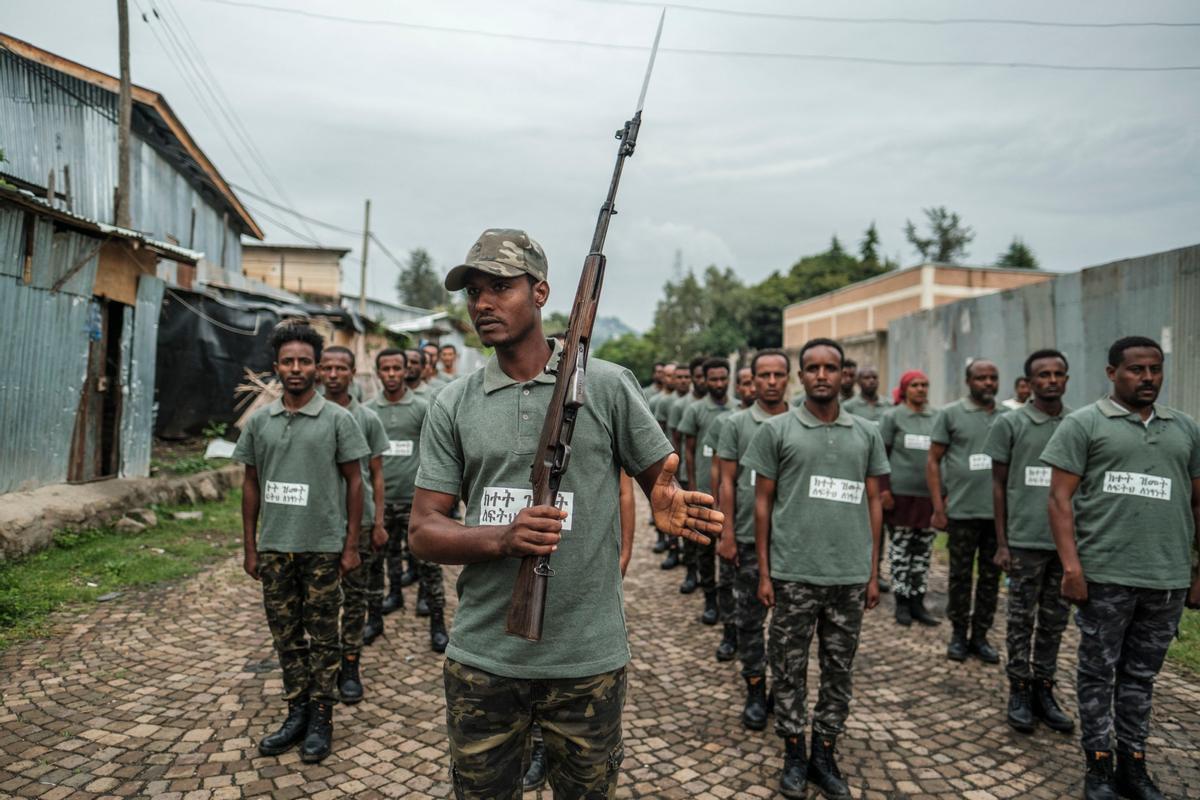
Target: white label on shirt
point(753, 476)
point(1037, 476)
point(1137, 483)
point(708, 451)
point(916, 441)
point(286, 494)
point(399, 448)
point(838, 489)
point(978, 461)
point(501, 505)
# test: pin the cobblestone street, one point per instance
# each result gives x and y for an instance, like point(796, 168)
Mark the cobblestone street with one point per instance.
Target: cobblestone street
point(165, 693)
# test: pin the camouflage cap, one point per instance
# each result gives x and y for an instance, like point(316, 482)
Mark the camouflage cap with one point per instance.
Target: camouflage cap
point(501, 251)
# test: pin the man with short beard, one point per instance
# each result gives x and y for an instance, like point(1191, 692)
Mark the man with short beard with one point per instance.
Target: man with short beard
point(869, 404)
point(960, 432)
point(479, 440)
point(691, 555)
point(1125, 512)
point(656, 381)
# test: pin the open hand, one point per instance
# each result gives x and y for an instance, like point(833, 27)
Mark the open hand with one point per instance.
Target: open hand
point(682, 513)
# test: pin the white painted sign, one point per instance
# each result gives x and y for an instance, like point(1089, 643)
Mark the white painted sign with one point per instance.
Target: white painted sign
point(837, 489)
point(500, 505)
point(1139, 484)
point(916, 441)
point(708, 451)
point(399, 448)
point(286, 494)
point(1037, 476)
point(977, 461)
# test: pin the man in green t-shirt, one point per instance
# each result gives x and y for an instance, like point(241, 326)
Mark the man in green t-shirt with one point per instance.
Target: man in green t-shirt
point(868, 404)
point(656, 381)
point(817, 521)
point(770, 369)
point(1125, 511)
point(303, 474)
point(697, 421)
point(961, 493)
point(699, 389)
point(679, 391)
point(480, 438)
point(362, 589)
point(664, 390)
point(1025, 548)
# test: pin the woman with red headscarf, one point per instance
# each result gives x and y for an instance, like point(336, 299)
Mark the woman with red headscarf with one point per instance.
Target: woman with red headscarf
point(906, 428)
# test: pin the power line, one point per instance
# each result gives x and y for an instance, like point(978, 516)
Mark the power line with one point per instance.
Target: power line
point(891, 62)
point(311, 240)
point(387, 252)
point(296, 213)
point(1035, 23)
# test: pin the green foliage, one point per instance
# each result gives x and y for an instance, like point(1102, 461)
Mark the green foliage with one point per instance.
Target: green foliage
point(1018, 255)
point(1185, 650)
point(214, 430)
point(635, 353)
point(555, 322)
point(419, 283)
point(947, 240)
point(184, 465)
point(868, 248)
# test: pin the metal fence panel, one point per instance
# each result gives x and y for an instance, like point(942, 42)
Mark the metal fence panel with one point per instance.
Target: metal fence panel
point(137, 386)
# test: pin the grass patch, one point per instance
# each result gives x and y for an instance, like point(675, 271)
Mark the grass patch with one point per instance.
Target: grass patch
point(1185, 651)
point(82, 566)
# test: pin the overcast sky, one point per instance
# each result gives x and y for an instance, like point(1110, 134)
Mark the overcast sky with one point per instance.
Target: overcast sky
point(743, 162)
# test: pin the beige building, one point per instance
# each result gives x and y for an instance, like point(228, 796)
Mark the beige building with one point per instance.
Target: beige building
point(858, 315)
point(314, 272)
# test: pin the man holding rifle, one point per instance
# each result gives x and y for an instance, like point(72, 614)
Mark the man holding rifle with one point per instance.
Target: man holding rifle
point(480, 437)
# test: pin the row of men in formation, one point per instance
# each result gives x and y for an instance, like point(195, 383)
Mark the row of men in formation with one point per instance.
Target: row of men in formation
point(802, 495)
point(1024, 486)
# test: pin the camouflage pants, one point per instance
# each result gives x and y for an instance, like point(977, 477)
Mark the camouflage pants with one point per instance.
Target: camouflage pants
point(302, 596)
point(1124, 633)
point(835, 615)
point(429, 574)
point(706, 564)
point(908, 553)
point(750, 613)
point(488, 719)
point(970, 538)
point(726, 574)
point(362, 589)
point(1033, 595)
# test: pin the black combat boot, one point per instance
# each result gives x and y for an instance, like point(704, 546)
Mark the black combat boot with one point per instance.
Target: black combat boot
point(660, 544)
point(409, 576)
point(1098, 782)
point(394, 601)
point(727, 649)
point(689, 581)
point(793, 779)
point(754, 713)
point(672, 560)
point(711, 614)
point(422, 602)
point(1132, 779)
point(535, 776)
point(290, 732)
point(823, 769)
point(349, 683)
point(437, 632)
point(374, 627)
point(958, 650)
point(319, 739)
point(982, 650)
point(916, 607)
point(1046, 708)
point(903, 611)
point(1020, 712)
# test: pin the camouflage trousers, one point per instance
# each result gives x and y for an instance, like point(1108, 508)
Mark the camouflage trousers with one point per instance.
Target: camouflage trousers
point(706, 564)
point(1034, 581)
point(1124, 633)
point(429, 574)
point(970, 538)
point(489, 717)
point(726, 575)
point(908, 554)
point(362, 590)
point(749, 613)
point(835, 615)
point(302, 596)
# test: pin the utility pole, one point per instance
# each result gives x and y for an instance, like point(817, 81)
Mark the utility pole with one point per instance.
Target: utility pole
point(124, 121)
point(362, 272)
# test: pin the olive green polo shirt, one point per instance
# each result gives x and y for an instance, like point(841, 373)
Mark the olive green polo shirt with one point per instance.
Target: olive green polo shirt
point(906, 434)
point(480, 439)
point(303, 508)
point(1133, 518)
point(820, 524)
point(1018, 439)
point(377, 441)
point(402, 422)
point(697, 419)
point(966, 469)
point(737, 431)
point(861, 408)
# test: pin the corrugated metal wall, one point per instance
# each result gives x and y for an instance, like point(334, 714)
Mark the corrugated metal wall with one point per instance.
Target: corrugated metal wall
point(49, 120)
point(1079, 313)
point(137, 383)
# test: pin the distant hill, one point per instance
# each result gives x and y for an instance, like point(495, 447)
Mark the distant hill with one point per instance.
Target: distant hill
point(607, 328)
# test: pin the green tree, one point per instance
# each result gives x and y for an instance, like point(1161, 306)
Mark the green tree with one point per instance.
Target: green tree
point(1018, 255)
point(633, 351)
point(947, 240)
point(419, 283)
point(555, 322)
point(868, 248)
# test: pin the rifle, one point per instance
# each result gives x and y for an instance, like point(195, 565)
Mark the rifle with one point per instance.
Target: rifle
point(528, 604)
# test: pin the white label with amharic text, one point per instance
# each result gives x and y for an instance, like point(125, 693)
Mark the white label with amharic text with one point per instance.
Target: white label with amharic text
point(838, 489)
point(1037, 476)
point(500, 505)
point(916, 441)
point(977, 461)
point(399, 448)
point(1155, 487)
point(286, 494)
point(708, 451)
